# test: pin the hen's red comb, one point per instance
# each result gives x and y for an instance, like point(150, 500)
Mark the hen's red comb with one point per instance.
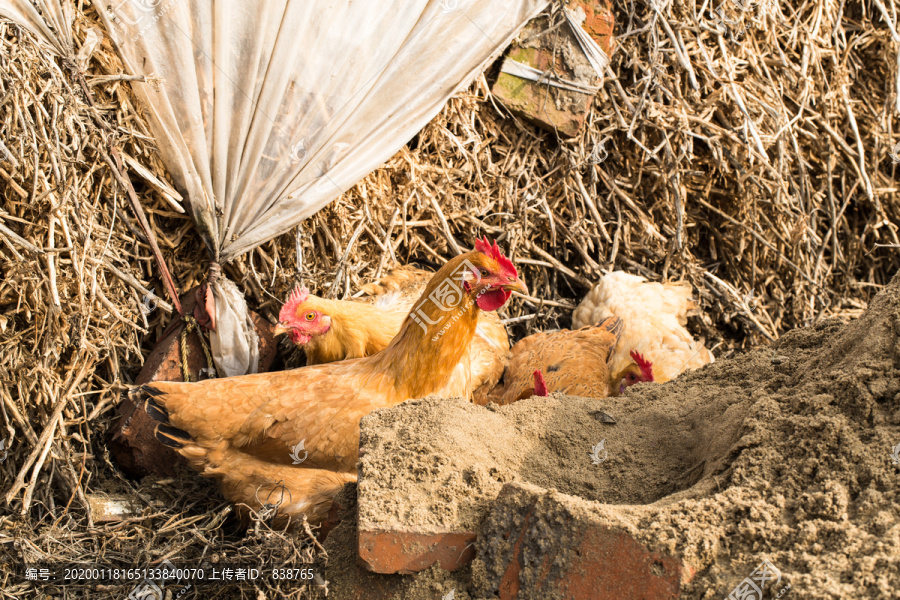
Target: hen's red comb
point(540, 386)
point(484, 246)
point(644, 364)
point(289, 310)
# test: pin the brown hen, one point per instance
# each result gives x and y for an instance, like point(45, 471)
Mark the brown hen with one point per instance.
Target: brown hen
point(573, 362)
point(246, 431)
point(332, 330)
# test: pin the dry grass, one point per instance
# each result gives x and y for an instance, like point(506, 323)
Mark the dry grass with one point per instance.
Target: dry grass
point(758, 170)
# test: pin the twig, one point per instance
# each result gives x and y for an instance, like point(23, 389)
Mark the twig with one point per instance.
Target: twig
point(14, 237)
point(859, 149)
point(444, 226)
point(680, 53)
point(339, 274)
point(739, 302)
point(518, 319)
point(125, 277)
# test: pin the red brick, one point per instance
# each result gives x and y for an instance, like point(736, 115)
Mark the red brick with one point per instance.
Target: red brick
point(349, 578)
point(133, 443)
point(599, 23)
point(604, 562)
point(562, 111)
point(408, 552)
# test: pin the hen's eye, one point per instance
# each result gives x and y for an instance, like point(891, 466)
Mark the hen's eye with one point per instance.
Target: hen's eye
point(310, 316)
point(484, 273)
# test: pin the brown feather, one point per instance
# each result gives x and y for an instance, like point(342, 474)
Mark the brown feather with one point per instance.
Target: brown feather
point(572, 362)
point(361, 329)
point(255, 420)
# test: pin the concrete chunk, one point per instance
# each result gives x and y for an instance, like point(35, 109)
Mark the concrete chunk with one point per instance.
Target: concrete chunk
point(430, 470)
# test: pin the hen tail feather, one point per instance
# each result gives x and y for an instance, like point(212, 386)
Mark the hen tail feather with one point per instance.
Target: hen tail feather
point(614, 325)
point(165, 433)
point(157, 411)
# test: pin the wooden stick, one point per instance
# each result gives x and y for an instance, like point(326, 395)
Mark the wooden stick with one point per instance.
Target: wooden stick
point(859, 149)
point(14, 237)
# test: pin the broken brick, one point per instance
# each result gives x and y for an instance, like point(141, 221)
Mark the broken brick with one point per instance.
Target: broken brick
point(599, 23)
point(555, 548)
point(409, 551)
point(555, 51)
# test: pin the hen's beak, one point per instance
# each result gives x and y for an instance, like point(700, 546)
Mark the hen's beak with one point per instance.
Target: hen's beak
point(516, 285)
point(279, 329)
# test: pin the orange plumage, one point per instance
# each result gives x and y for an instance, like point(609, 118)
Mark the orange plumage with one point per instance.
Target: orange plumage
point(332, 330)
point(241, 430)
point(654, 316)
point(571, 362)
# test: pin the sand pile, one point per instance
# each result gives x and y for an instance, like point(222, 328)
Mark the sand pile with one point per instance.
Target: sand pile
point(652, 450)
point(783, 453)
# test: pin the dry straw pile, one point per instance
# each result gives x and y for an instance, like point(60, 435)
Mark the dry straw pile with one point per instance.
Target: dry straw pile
point(747, 151)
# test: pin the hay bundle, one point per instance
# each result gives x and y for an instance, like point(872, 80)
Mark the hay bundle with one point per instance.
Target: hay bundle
point(754, 161)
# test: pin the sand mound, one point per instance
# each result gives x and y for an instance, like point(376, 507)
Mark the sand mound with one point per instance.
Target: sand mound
point(652, 450)
point(783, 453)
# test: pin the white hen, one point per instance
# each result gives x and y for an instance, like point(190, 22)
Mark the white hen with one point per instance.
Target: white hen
point(654, 316)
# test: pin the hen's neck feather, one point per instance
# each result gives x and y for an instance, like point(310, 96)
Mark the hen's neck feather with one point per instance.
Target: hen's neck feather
point(357, 330)
point(422, 358)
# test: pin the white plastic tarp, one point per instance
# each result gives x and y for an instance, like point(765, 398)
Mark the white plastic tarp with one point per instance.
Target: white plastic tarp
point(53, 28)
point(266, 110)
